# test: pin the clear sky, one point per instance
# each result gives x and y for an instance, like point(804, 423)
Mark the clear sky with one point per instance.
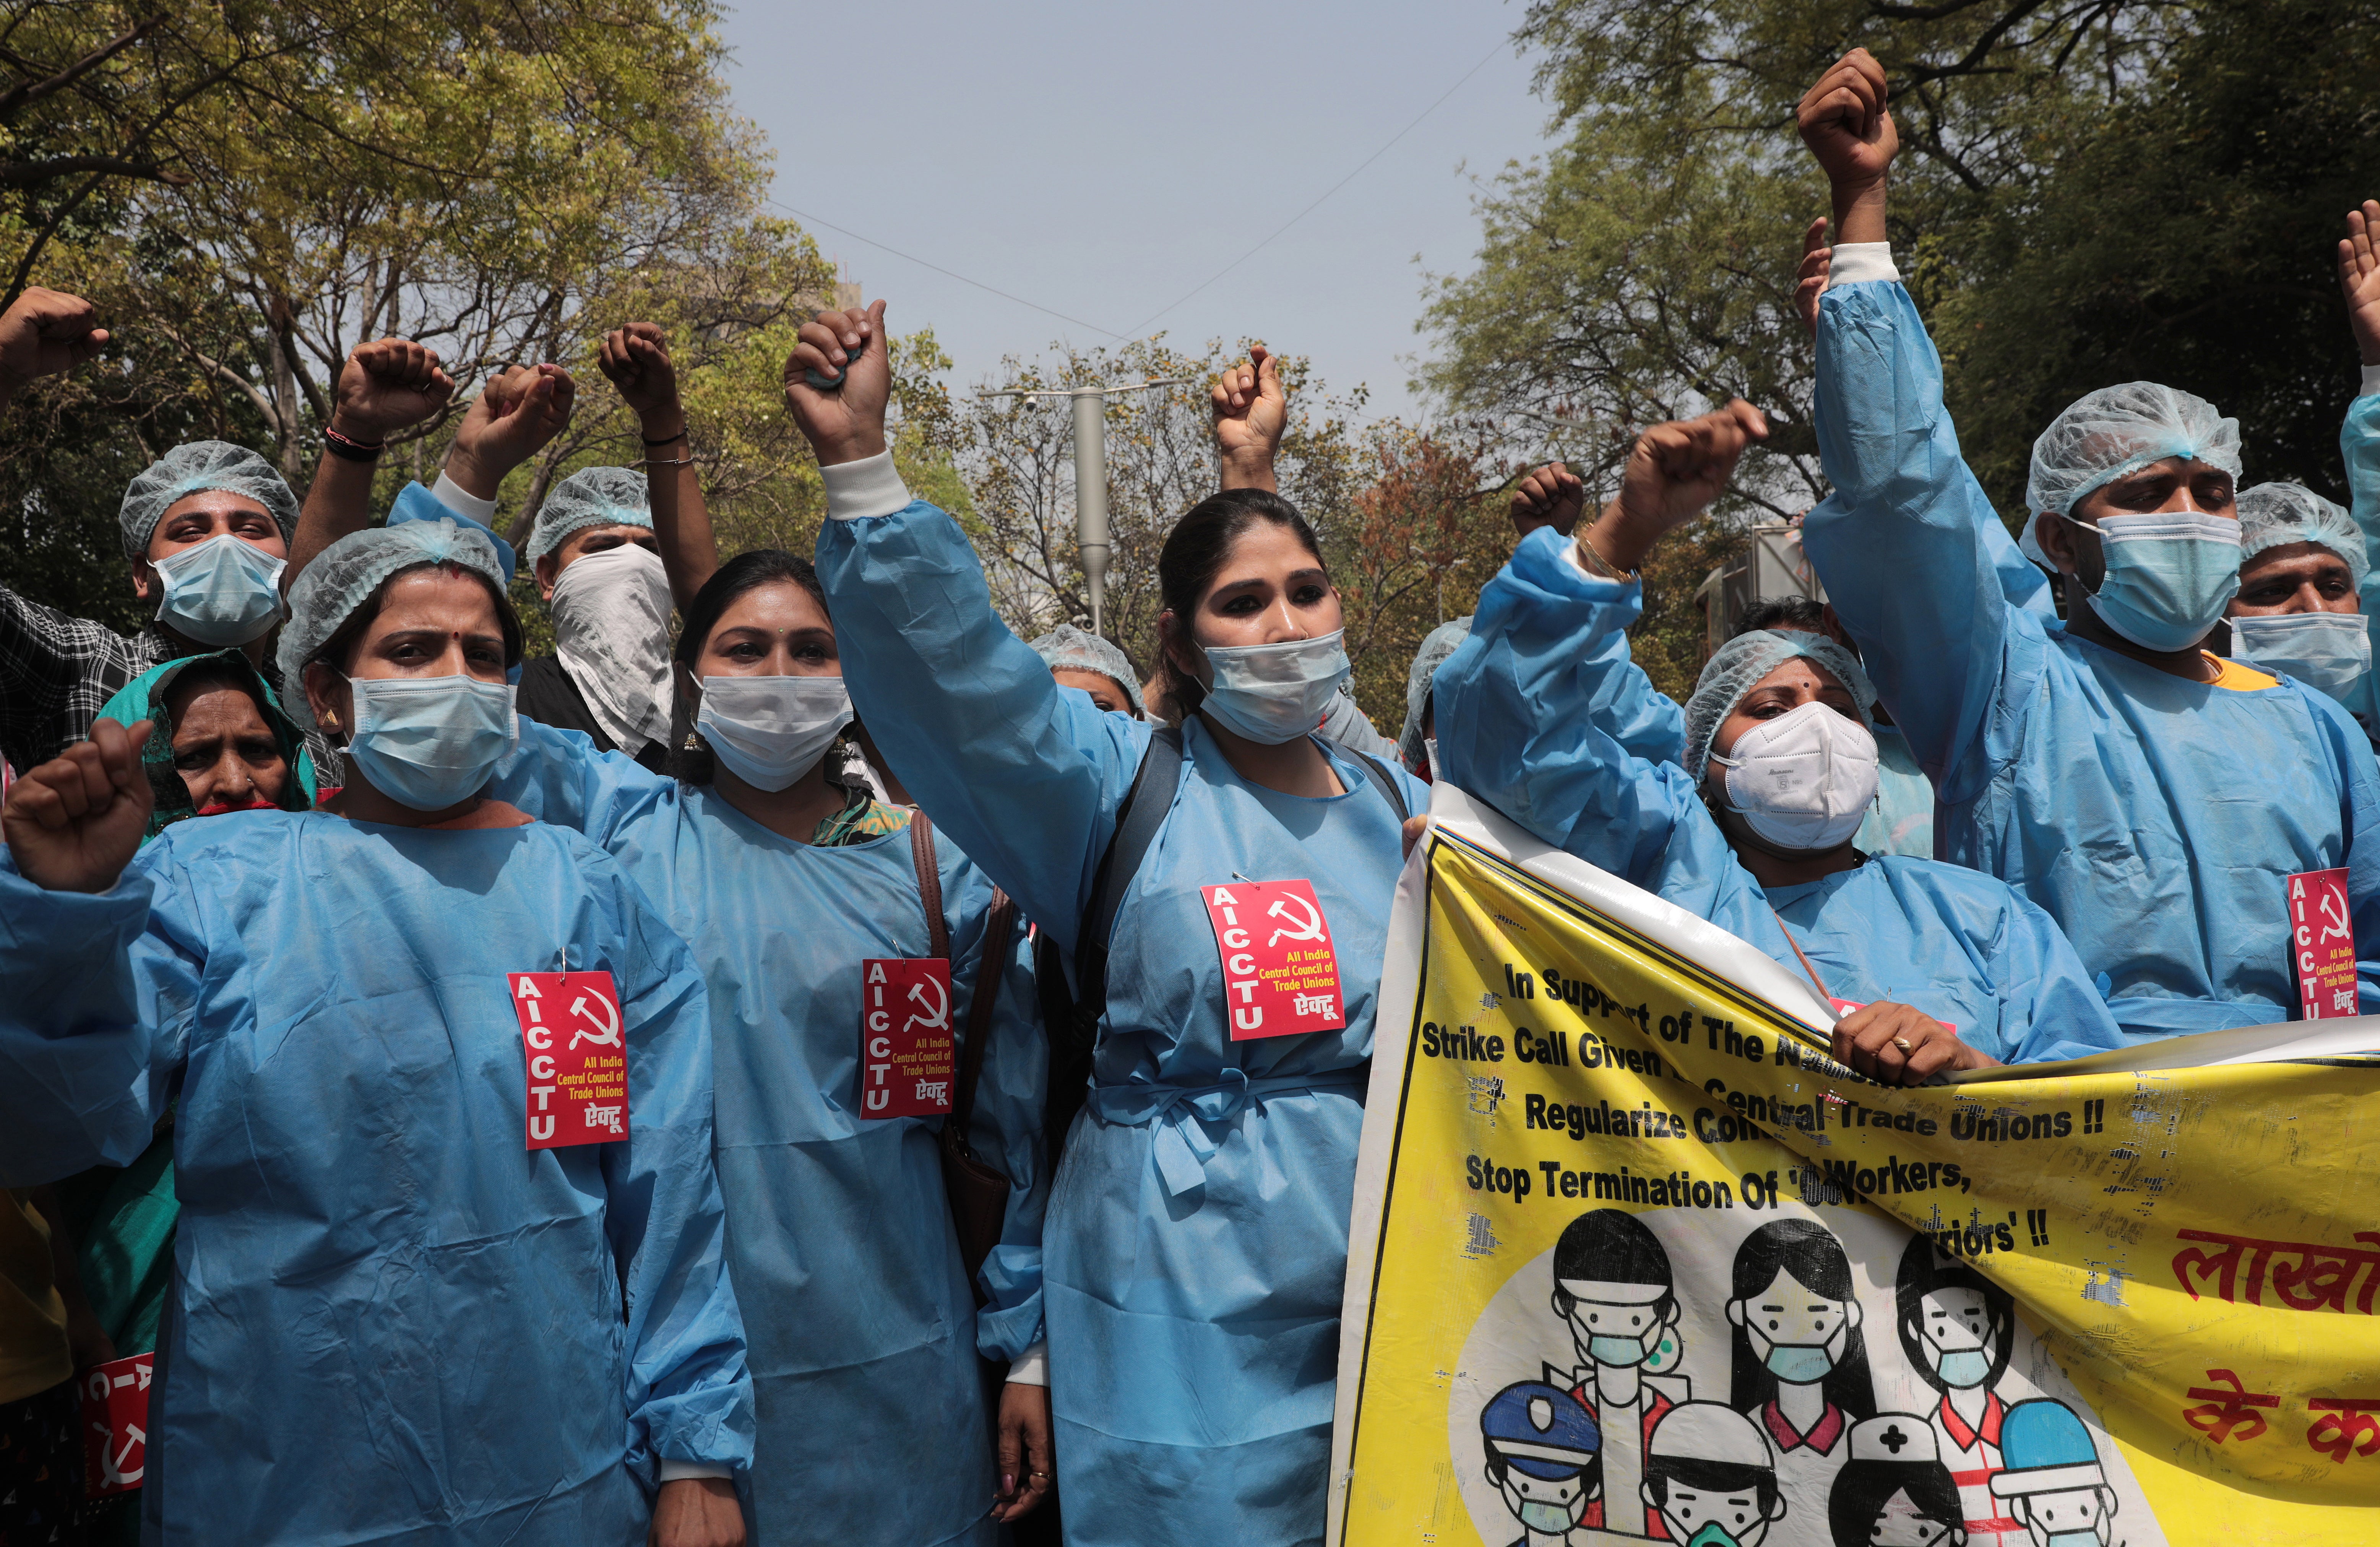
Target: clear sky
point(1101, 160)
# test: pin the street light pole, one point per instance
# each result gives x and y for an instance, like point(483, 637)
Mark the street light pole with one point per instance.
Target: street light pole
point(1091, 476)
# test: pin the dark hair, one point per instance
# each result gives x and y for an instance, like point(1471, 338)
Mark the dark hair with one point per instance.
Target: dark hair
point(1591, 1474)
point(1194, 553)
point(691, 761)
point(1613, 1246)
point(1863, 1488)
point(1925, 1269)
point(339, 650)
point(1810, 1252)
point(200, 674)
point(1710, 1477)
point(1797, 614)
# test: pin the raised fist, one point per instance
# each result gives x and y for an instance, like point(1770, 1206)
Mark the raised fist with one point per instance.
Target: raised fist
point(844, 423)
point(388, 385)
point(1251, 412)
point(1677, 470)
point(42, 334)
point(1551, 496)
point(74, 822)
point(1844, 121)
point(636, 360)
point(521, 409)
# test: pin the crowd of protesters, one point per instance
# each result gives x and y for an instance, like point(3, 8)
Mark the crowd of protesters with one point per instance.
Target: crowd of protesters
point(771, 1072)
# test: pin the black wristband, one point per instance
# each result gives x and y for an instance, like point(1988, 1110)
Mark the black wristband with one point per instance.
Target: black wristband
point(665, 440)
point(350, 450)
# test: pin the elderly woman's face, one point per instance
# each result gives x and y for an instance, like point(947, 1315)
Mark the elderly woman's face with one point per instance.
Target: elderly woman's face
point(1797, 682)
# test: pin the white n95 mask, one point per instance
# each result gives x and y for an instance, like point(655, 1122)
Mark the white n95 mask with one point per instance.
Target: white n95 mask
point(2329, 651)
point(1803, 780)
point(771, 730)
point(1273, 693)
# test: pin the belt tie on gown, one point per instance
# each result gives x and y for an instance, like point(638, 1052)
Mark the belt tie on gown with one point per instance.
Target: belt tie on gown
point(1183, 1146)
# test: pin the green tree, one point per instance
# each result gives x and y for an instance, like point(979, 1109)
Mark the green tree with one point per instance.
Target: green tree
point(249, 191)
point(2087, 194)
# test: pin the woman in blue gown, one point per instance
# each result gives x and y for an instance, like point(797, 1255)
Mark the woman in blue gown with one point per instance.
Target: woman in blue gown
point(391, 1319)
point(1196, 1243)
point(764, 850)
point(1542, 713)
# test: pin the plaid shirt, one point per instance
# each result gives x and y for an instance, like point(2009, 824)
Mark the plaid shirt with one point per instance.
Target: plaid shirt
point(58, 671)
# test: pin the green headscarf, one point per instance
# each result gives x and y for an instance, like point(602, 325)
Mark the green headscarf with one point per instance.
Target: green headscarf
point(143, 698)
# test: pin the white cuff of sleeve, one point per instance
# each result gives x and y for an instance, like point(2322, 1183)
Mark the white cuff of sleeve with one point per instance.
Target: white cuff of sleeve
point(673, 1470)
point(1577, 553)
point(869, 487)
point(1032, 1366)
point(2370, 380)
point(1854, 262)
point(462, 502)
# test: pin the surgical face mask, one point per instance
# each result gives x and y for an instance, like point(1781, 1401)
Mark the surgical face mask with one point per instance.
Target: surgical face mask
point(611, 632)
point(2327, 651)
point(1274, 693)
point(2170, 574)
point(1544, 1514)
point(429, 742)
point(1964, 1366)
point(1714, 1535)
point(223, 591)
point(2075, 1539)
point(1621, 1351)
point(1800, 1364)
point(1803, 780)
point(771, 730)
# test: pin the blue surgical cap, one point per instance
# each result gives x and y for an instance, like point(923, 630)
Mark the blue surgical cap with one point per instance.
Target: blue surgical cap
point(1737, 667)
point(1067, 648)
point(590, 497)
point(345, 575)
point(193, 467)
point(1439, 643)
point(2115, 432)
point(2274, 514)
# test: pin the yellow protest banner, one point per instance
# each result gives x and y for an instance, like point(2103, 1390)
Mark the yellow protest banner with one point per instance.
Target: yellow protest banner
point(1634, 1259)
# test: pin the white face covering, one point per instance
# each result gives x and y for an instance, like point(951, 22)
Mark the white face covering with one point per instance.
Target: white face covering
point(611, 632)
point(2329, 651)
point(1803, 780)
point(771, 730)
point(1273, 693)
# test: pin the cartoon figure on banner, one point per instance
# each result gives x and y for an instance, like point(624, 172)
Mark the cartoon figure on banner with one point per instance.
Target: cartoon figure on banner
point(1958, 1330)
point(1544, 1458)
point(1799, 1365)
point(1710, 1480)
point(1894, 1492)
point(2052, 1481)
point(1612, 1286)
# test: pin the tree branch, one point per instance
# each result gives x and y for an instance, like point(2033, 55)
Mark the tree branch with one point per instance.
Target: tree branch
point(28, 174)
point(31, 92)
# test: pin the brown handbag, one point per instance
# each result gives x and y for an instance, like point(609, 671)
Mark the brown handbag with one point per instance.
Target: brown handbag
point(977, 1190)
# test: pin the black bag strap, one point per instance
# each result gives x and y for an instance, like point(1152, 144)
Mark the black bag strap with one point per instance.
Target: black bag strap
point(1383, 781)
point(999, 925)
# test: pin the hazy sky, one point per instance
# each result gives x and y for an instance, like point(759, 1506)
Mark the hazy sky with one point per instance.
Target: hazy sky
point(1101, 160)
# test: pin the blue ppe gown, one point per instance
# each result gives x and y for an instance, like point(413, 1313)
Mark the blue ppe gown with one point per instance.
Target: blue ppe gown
point(391, 1322)
point(1519, 726)
point(1196, 1241)
point(2156, 820)
point(1901, 821)
point(863, 1328)
point(2358, 448)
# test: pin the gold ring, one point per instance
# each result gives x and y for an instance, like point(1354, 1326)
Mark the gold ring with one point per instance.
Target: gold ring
point(1900, 1043)
point(1036, 1474)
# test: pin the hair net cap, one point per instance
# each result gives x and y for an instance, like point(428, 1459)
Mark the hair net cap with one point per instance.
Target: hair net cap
point(1069, 649)
point(1436, 647)
point(2275, 514)
point(590, 497)
point(193, 467)
point(2116, 430)
point(1737, 667)
point(345, 575)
